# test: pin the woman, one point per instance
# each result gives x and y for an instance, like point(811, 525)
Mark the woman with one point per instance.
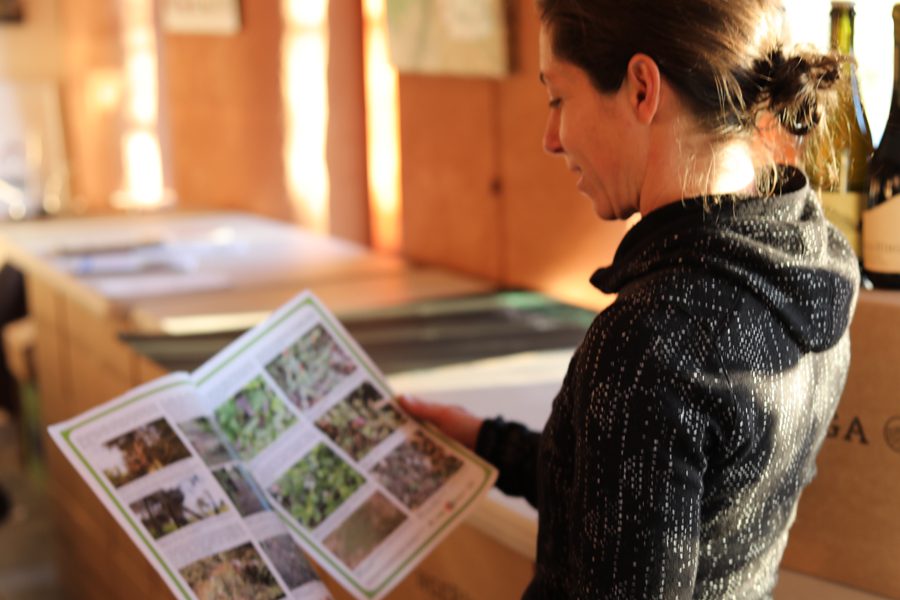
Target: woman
point(690, 417)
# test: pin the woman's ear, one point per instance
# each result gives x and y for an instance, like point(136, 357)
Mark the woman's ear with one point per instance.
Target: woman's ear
point(642, 81)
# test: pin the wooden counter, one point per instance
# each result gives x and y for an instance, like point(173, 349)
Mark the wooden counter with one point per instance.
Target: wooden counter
point(232, 270)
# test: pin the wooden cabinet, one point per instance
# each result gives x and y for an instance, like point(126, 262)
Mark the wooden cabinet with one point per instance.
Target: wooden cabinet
point(80, 359)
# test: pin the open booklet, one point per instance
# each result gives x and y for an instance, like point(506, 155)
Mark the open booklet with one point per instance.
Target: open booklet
point(288, 438)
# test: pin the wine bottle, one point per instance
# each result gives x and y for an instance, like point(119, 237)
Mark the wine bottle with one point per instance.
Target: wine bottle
point(844, 197)
point(881, 220)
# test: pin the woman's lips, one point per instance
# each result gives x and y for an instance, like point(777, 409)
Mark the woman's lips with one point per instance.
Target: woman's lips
point(580, 175)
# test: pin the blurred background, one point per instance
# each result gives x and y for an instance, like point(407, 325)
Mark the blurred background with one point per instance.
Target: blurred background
point(401, 137)
point(296, 110)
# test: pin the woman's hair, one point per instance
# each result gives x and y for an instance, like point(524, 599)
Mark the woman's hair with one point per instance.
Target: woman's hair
point(725, 57)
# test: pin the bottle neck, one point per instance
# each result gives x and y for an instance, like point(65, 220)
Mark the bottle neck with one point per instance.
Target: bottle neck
point(842, 21)
point(894, 115)
point(889, 149)
point(896, 98)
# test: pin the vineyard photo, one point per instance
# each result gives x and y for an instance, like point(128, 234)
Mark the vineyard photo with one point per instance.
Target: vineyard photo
point(360, 421)
point(169, 509)
point(236, 573)
point(310, 368)
point(415, 469)
point(141, 451)
point(289, 561)
point(205, 440)
point(316, 486)
point(253, 418)
point(242, 494)
point(364, 530)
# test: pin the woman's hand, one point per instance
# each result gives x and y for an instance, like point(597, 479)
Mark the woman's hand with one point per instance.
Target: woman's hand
point(456, 422)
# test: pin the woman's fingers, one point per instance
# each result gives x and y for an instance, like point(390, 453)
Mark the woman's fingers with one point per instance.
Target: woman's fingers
point(454, 421)
point(420, 410)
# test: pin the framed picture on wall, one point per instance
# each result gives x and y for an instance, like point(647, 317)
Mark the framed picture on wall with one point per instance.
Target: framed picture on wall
point(467, 38)
point(11, 11)
point(201, 17)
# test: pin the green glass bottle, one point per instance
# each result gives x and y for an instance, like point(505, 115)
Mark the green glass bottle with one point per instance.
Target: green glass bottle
point(844, 198)
point(881, 220)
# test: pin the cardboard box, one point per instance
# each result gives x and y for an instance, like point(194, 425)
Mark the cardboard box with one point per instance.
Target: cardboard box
point(848, 522)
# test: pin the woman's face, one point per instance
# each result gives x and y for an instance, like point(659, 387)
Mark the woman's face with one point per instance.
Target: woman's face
point(591, 131)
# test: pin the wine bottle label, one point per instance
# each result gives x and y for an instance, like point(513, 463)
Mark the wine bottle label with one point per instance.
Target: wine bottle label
point(881, 237)
point(844, 210)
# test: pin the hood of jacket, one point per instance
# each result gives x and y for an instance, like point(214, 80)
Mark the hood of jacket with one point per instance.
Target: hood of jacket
point(780, 248)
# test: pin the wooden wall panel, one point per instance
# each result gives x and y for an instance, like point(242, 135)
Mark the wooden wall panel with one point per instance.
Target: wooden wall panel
point(91, 61)
point(221, 112)
point(480, 194)
point(227, 158)
point(225, 112)
point(449, 153)
point(346, 152)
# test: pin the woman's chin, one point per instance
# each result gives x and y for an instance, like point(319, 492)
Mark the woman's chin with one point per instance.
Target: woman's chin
point(602, 207)
point(604, 211)
point(607, 212)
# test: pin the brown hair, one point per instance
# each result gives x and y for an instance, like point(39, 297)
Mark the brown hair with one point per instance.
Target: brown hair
point(726, 58)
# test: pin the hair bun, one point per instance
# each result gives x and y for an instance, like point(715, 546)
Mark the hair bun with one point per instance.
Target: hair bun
point(789, 86)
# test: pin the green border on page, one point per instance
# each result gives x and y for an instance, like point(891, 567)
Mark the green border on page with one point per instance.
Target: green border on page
point(327, 319)
point(67, 435)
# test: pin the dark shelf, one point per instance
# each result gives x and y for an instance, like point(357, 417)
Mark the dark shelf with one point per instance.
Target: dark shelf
point(419, 335)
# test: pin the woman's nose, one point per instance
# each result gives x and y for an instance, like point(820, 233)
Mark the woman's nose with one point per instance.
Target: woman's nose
point(551, 136)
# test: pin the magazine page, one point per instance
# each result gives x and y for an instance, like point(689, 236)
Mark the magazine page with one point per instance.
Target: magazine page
point(362, 487)
point(161, 467)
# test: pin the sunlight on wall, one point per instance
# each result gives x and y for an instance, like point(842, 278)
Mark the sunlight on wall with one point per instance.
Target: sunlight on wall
point(142, 82)
point(305, 99)
point(382, 130)
point(143, 183)
point(104, 89)
point(144, 180)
